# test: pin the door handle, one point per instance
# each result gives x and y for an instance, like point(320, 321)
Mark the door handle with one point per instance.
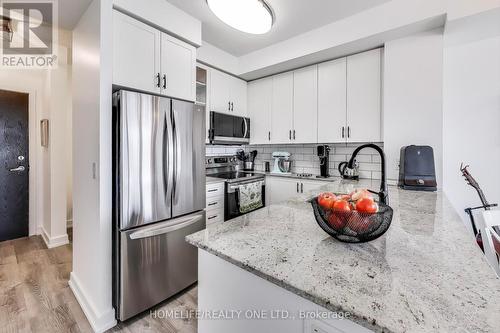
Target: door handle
point(269, 135)
point(348, 131)
point(166, 227)
point(164, 81)
point(18, 169)
point(343, 132)
point(301, 188)
point(229, 106)
point(294, 134)
point(297, 187)
point(290, 135)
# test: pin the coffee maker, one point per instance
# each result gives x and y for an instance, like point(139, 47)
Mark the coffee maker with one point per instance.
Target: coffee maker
point(324, 161)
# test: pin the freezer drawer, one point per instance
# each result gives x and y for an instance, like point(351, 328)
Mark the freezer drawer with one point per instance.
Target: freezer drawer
point(156, 263)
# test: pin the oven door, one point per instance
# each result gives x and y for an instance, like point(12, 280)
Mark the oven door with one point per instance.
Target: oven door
point(232, 199)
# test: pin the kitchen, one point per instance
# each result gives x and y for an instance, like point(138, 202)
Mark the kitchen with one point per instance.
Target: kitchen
point(273, 166)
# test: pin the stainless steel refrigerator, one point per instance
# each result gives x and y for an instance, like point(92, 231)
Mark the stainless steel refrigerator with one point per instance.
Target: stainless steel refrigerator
point(159, 186)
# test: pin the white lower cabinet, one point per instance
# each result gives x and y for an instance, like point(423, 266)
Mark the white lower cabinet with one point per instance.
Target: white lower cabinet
point(215, 202)
point(280, 189)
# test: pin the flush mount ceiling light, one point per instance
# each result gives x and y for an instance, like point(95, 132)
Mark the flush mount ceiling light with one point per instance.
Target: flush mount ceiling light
point(251, 16)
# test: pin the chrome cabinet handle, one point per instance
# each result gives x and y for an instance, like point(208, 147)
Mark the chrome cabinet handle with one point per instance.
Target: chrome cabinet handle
point(158, 80)
point(269, 135)
point(232, 106)
point(301, 188)
point(343, 132)
point(348, 131)
point(229, 106)
point(213, 203)
point(290, 135)
point(18, 169)
point(164, 81)
point(211, 217)
point(297, 187)
point(294, 134)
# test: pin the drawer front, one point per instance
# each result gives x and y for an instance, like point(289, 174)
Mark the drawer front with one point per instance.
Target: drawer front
point(214, 203)
point(215, 215)
point(215, 190)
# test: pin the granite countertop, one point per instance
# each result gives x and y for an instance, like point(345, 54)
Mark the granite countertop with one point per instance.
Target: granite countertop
point(425, 274)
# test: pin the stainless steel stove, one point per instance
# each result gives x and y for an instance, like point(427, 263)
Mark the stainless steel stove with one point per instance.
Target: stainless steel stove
point(230, 169)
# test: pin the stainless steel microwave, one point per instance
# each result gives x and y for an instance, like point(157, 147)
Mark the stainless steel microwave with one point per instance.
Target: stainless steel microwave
point(226, 129)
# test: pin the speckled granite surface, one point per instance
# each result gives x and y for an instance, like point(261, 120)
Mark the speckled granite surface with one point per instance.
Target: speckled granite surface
point(424, 275)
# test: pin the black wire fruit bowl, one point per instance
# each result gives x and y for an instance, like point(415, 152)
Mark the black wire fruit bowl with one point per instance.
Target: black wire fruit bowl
point(353, 226)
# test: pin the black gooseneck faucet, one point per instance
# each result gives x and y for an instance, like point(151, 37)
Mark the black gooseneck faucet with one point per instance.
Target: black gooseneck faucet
point(383, 194)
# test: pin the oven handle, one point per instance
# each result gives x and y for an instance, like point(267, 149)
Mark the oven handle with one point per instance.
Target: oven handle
point(234, 187)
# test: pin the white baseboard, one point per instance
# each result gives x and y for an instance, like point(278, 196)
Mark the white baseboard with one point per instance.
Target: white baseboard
point(99, 322)
point(52, 242)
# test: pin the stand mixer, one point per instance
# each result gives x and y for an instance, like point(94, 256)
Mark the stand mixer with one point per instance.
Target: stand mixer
point(282, 163)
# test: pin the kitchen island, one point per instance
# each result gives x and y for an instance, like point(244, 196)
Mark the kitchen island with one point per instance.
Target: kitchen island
point(425, 274)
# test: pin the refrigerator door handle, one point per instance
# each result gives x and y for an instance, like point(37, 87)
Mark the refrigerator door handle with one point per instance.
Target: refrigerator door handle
point(177, 161)
point(170, 151)
point(166, 227)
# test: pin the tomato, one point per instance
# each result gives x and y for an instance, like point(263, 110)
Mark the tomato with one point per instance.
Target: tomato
point(346, 197)
point(336, 222)
point(366, 205)
point(341, 206)
point(360, 194)
point(359, 224)
point(326, 200)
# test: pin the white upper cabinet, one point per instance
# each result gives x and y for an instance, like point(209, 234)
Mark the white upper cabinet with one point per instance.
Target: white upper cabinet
point(305, 105)
point(147, 59)
point(364, 97)
point(260, 99)
point(282, 108)
point(178, 66)
point(136, 54)
point(219, 91)
point(228, 94)
point(238, 96)
point(332, 101)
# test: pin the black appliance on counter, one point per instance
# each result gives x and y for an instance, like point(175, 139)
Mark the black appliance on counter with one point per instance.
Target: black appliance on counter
point(324, 161)
point(416, 168)
point(226, 129)
point(231, 170)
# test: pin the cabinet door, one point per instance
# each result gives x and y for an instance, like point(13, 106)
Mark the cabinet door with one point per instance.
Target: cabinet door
point(363, 97)
point(238, 96)
point(310, 186)
point(259, 110)
point(219, 91)
point(178, 68)
point(280, 189)
point(332, 101)
point(282, 108)
point(136, 50)
point(305, 105)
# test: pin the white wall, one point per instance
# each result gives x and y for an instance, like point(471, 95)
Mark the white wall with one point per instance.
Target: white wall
point(413, 70)
point(472, 109)
point(90, 279)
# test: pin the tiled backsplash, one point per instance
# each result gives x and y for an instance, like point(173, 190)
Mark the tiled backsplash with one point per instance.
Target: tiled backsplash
point(304, 157)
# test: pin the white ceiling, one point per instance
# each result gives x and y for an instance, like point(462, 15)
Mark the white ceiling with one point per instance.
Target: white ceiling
point(70, 12)
point(293, 17)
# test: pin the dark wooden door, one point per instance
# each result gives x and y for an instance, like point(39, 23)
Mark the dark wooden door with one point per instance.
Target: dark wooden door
point(14, 165)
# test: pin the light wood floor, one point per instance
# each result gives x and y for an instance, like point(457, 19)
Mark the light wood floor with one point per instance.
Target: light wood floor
point(35, 296)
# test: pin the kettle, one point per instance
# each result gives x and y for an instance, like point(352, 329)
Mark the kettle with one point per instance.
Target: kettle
point(348, 173)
